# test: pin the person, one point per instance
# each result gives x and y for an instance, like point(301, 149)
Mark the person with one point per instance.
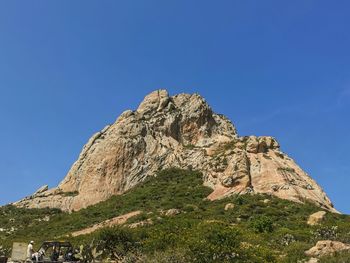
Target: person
point(30, 250)
point(55, 254)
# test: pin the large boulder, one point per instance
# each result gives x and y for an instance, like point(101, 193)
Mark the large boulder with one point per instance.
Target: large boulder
point(316, 218)
point(326, 247)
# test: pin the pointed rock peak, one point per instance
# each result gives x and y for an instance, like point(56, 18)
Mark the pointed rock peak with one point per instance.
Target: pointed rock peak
point(158, 100)
point(154, 101)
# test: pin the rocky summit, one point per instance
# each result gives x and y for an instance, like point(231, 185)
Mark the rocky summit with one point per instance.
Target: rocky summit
point(177, 131)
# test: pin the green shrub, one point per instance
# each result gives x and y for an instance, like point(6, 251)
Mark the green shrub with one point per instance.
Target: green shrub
point(189, 146)
point(213, 242)
point(262, 224)
point(295, 252)
point(340, 257)
point(4, 251)
point(116, 242)
point(73, 193)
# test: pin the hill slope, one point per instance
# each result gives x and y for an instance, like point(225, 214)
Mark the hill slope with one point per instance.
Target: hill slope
point(178, 223)
point(177, 131)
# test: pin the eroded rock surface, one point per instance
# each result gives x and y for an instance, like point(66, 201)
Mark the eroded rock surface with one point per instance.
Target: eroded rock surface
point(177, 131)
point(316, 218)
point(326, 247)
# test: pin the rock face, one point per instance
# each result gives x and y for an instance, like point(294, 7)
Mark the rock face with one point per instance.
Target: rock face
point(178, 131)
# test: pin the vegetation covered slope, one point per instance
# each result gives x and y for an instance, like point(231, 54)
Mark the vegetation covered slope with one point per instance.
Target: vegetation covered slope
point(259, 228)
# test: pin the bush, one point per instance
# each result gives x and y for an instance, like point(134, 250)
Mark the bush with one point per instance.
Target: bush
point(259, 254)
point(116, 242)
point(340, 257)
point(262, 224)
point(161, 240)
point(323, 233)
point(4, 251)
point(295, 252)
point(213, 242)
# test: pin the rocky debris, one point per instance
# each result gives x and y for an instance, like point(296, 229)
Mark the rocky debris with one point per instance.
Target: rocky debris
point(178, 131)
point(8, 231)
point(246, 245)
point(229, 206)
point(287, 239)
point(173, 212)
point(316, 218)
point(44, 219)
point(266, 201)
point(326, 247)
point(119, 220)
point(147, 222)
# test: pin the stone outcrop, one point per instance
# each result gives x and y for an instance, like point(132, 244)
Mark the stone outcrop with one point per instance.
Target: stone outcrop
point(229, 206)
point(172, 212)
point(326, 247)
point(178, 131)
point(316, 218)
point(42, 189)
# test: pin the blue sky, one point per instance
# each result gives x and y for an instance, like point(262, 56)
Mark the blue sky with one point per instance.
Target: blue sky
point(68, 68)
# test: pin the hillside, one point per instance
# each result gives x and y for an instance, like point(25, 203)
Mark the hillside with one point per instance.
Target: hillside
point(177, 131)
point(177, 223)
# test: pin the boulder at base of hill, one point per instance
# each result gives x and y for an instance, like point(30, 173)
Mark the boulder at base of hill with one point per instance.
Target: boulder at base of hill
point(316, 218)
point(326, 247)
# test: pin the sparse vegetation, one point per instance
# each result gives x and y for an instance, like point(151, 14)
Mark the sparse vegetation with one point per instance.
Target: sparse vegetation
point(189, 146)
point(341, 257)
point(73, 193)
point(286, 169)
point(254, 231)
point(225, 147)
point(262, 224)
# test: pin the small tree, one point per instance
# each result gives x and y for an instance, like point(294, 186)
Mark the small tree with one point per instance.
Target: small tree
point(116, 242)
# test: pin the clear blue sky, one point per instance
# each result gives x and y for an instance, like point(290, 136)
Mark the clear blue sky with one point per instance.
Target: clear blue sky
point(68, 68)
